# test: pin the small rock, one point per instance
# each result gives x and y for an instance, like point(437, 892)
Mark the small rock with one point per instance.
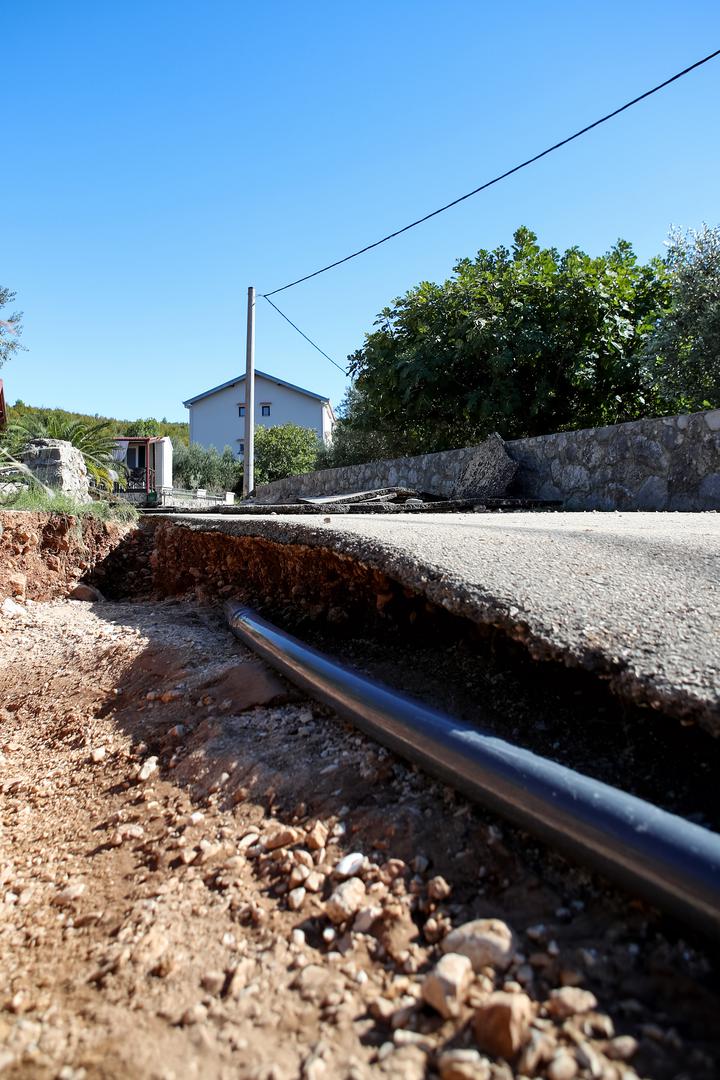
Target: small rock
point(98, 754)
point(147, 769)
point(128, 831)
point(438, 888)
point(11, 608)
point(486, 942)
point(365, 918)
point(295, 898)
point(346, 900)
point(445, 986)
point(502, 1023)
point(350, 865)
point(317, 836)
point(69, 894)
point(463, 1065)
point(382, 1008)
point(621, 1048)
point(213, 982)
point(86, 592)
point(314, 881)
point(285, 836)
point(195, 1014)
point(18, 585)
point(570, 1001)
point(562, 1067)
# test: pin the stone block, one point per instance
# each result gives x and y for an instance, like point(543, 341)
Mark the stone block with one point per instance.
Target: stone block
point(58, 465)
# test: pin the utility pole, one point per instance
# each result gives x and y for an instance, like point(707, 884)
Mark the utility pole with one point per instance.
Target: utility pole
point(249, 442)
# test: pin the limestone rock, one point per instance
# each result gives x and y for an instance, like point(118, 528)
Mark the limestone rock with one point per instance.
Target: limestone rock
point(346, 900)
point(58, 465)
point(18, 585)
point(570, 1001)
point(445, 986)
point(86, 592)
point(502, 1023)
point(350, 865)
point(486, 942)
point(463, 1065)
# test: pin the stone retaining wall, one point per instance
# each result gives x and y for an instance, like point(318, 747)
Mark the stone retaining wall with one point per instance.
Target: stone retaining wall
point(435, 473)
point(670, 463)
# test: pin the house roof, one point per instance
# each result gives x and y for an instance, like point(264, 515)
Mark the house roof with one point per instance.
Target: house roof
point(262, 374)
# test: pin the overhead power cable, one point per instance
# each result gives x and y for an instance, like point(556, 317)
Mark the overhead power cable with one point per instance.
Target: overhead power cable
point(310, 340)
point(495, 180)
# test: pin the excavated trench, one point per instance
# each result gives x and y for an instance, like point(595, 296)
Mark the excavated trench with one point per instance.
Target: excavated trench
point(156, 673)
point(476, 672)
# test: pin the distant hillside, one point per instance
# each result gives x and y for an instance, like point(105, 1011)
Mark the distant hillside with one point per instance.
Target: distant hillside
point(178, 432)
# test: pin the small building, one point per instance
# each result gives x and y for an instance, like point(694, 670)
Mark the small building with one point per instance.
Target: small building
point(217, 416)
point(148, 466)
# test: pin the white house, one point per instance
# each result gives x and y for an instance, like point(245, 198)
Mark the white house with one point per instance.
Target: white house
point(217, 416)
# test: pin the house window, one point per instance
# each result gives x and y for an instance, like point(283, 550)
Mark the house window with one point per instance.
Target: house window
point(241, 446)
point(265, 410)
point(241, 410)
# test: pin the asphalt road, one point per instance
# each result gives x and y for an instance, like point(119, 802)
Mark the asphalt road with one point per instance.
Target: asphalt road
point(635, 596)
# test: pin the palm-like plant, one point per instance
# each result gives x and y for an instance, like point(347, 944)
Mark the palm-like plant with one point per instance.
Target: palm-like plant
point(94, 442)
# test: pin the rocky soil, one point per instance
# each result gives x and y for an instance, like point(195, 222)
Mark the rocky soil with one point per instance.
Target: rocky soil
point(42, 556)
point(203, 874)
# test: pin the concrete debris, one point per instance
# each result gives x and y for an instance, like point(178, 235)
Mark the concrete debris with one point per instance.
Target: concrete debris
point(488, 472)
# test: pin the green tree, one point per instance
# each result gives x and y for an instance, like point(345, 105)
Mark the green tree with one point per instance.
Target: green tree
point(198, 466)
point(10, 327)
point(684, 351)
point(143, 428)
point(284, 450)
point(94, 441)
point(522, 341)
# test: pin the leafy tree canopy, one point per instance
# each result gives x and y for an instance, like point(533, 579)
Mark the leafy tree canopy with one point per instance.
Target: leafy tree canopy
point(684, 350)
point(284, 450)
point(521, 341)
point(200, 467)
point(143, 428)
point(10, 327)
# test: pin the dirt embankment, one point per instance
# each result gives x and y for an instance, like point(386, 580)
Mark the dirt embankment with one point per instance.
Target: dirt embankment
point(42, 556)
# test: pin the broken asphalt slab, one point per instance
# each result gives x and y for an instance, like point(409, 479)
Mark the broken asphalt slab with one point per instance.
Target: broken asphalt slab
point(634, 597)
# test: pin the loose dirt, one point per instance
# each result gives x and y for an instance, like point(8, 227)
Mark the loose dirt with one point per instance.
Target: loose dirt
point(174, 820)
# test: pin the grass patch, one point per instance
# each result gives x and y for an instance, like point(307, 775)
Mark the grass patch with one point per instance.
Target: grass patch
point(55, 502)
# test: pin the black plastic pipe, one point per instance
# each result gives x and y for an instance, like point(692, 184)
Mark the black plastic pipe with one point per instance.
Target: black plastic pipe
point(654, 854)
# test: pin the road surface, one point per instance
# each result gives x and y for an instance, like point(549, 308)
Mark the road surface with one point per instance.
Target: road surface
point(635, 596)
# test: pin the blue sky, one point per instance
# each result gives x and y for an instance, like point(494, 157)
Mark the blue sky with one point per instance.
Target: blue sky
point(159, 157)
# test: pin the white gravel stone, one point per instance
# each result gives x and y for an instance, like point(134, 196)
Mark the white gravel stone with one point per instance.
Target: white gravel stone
point(350, 865)
point(147, 769)
point(295, 898)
